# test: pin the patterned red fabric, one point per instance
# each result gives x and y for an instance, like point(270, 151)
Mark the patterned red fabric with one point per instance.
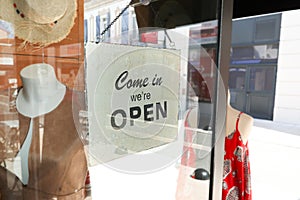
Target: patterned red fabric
point(236, 168)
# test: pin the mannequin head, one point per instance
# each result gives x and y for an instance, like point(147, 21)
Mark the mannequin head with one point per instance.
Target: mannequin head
point(41, 91)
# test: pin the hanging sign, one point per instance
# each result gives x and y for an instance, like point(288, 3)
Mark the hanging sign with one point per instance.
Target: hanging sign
point(133, 98)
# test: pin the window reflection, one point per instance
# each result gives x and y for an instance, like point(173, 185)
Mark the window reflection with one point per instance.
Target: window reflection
point(261, 79)
point(241, 53)
point(237, 78)
point(268, 51)
point(263, 52)
point(265, 29)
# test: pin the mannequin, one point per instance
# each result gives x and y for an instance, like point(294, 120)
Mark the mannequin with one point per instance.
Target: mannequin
point(41, 92)
point(245, 123)
point(236, 168)
point(53, 163)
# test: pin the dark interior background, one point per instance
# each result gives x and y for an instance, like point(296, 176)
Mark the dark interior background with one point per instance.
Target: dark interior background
point(172, 13)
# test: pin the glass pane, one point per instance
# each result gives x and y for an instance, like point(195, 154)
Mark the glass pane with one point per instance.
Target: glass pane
point(262, 79)
point(164, 95)
point(237, 78)
point(112, 144)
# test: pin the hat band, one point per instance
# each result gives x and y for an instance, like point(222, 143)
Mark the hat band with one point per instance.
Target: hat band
point(22, 15)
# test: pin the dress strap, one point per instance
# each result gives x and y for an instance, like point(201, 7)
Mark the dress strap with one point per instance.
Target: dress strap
point(237, 121)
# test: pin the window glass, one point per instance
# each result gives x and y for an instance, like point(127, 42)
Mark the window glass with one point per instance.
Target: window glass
point(197, 45)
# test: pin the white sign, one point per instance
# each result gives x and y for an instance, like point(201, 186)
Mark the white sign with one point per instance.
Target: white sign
point(132, 97)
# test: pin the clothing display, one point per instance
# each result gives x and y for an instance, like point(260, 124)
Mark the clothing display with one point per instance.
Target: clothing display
point(57, 163)
point(236, 169)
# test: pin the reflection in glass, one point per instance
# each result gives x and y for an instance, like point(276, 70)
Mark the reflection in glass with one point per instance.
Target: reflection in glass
point(237, 78)
point(197, 79)
point(261, 52)
point(242, 53)
point(261, 79)
point(265, 29)
point(267, 51)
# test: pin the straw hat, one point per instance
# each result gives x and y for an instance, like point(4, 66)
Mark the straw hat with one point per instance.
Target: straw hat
point(40, 22)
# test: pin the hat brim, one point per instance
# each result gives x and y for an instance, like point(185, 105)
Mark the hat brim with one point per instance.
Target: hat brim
point(39, 34)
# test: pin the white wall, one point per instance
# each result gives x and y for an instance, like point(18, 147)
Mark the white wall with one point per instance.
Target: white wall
point(287, 96)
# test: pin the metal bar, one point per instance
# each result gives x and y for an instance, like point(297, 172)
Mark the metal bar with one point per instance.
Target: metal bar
point(225, 11)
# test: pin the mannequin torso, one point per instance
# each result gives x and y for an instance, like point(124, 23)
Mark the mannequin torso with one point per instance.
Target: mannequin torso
point(245, 121)
point(236, 167)
point(244, 126)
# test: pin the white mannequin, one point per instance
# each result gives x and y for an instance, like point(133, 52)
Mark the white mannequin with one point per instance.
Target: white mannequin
point(245, 123)
point(41, 93)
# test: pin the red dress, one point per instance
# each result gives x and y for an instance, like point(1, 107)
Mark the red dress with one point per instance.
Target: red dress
point(236, 169)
